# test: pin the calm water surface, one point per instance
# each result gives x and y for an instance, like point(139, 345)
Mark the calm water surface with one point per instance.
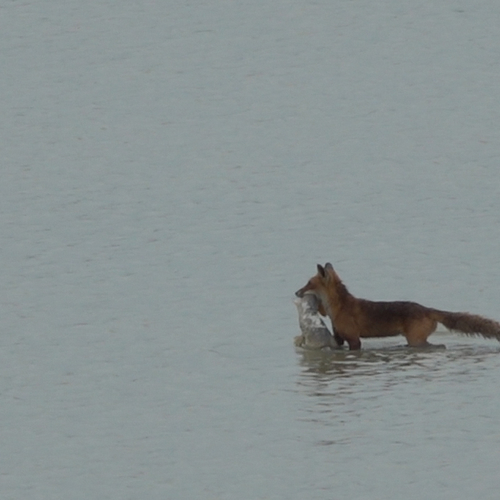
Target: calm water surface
point(171, 174)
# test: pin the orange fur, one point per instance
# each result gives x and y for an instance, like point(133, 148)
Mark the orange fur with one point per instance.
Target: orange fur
point(354, 318)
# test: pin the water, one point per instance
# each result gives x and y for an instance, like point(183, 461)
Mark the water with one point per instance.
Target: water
point(171, 174)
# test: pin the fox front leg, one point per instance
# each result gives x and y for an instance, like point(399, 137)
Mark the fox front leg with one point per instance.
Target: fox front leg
point(338, 339)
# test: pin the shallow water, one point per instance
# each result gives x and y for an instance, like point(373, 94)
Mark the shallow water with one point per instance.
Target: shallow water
point(172, 174)
point(421, 419)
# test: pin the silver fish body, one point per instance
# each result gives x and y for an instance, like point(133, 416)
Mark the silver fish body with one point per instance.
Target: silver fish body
point(315, 334)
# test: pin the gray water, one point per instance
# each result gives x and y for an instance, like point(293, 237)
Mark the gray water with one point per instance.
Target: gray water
point(171, 173)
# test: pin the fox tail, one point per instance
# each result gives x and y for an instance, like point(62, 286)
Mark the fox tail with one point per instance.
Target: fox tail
point(468, 324)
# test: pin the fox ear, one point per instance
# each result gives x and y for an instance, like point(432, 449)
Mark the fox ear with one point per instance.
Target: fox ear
point(321, 270)
point(329, 271)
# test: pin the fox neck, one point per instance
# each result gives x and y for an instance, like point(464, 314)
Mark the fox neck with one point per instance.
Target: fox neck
point(333, 296)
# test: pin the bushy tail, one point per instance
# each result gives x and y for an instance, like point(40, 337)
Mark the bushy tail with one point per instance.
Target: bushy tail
point(468, 324)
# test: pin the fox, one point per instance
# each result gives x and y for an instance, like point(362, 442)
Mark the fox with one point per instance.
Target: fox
point(353, 318)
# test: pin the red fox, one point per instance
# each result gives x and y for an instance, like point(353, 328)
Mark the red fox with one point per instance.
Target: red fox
point(355, 318)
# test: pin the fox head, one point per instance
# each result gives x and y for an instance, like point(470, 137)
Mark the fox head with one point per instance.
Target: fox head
point(318, 283)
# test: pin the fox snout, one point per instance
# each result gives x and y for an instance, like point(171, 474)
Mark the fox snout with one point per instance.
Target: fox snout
point(300, 293)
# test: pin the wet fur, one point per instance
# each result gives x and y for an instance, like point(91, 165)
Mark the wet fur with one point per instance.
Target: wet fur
point(355, 318)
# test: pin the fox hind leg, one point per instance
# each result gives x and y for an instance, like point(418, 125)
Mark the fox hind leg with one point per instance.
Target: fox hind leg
point(418, 331)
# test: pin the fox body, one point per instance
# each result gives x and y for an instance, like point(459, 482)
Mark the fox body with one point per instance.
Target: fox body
point(355, 318)
point(315, 334)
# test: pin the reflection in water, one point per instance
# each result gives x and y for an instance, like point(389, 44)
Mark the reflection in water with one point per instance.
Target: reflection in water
point(329, 365)
point(379, 395)
point(332, 376)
